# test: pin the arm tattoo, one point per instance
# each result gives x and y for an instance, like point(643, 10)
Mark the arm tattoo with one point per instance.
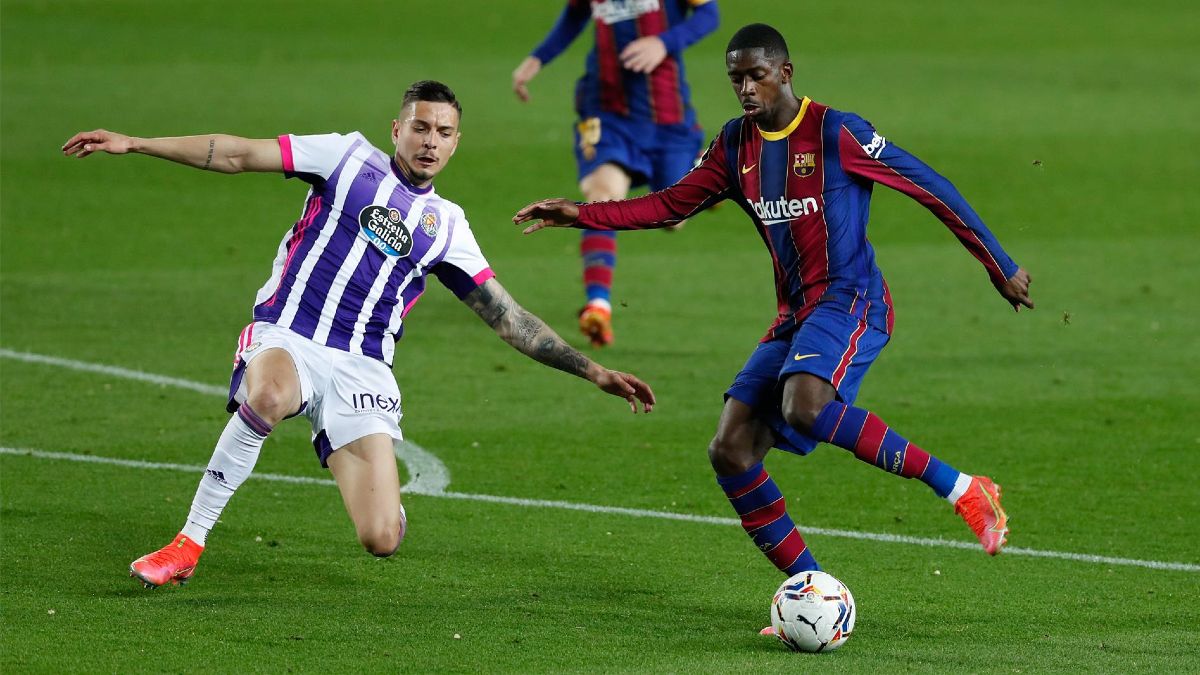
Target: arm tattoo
point(212, 143)
point(523, 330)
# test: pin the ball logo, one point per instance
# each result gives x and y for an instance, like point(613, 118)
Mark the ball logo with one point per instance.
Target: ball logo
point(384, 228)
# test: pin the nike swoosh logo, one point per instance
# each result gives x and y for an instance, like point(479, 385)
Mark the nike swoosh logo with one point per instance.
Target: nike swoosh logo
point(748, 169)
point(801, 357)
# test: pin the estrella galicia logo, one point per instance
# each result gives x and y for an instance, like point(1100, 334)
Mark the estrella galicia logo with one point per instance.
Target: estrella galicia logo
point(384, 228)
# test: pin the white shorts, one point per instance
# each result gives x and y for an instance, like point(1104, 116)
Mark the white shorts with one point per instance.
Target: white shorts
point(345, 396)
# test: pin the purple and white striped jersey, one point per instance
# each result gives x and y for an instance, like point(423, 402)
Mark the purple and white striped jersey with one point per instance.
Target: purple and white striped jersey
point(355, 263)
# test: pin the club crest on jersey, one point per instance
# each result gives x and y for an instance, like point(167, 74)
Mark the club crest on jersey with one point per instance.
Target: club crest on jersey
point(804, 164)
point(384, 228)
point(429, 222)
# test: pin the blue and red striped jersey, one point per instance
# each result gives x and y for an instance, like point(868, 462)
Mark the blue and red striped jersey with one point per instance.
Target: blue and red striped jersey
point(662, 96)
point(808, 190)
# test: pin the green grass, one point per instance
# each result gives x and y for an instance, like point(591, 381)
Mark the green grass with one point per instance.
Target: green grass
point(1077, 408)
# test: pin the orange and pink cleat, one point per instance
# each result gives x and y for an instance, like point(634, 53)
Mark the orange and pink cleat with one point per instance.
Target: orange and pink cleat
point(596, 323)
point(171, 564)
point(980, 507)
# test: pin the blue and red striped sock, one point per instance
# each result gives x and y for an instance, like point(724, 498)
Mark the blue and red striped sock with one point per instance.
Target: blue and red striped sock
point(760, 505)
point(872, 441)
point(599, 252)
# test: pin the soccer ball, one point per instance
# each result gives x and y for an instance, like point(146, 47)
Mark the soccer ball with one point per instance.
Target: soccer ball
point(813, 612)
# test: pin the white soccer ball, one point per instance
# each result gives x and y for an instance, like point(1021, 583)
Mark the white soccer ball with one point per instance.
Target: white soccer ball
point(813, 612)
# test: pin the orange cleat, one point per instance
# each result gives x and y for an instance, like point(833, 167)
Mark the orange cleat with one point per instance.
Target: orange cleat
point(980, 507)
point(173, 563)
point(596, 323)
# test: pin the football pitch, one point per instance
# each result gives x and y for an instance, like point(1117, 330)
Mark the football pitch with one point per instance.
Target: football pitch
point(549, 529)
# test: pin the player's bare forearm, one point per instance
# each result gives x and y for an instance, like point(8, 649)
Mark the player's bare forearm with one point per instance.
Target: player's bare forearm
point(532, 337)
point(524, 331)
point(211, 152)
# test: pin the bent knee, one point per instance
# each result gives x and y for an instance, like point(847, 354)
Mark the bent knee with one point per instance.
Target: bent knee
point(801, 417)
point(382, 541)
point(729, 458)
point(271, 403)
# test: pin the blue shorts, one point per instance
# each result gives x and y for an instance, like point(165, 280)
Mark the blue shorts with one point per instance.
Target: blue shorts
point(653, 154)
point(831, 344)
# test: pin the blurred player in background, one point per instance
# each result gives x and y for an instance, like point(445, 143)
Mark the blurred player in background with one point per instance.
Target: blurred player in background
point(636, 123)
point(326, 321)
point(803, 173)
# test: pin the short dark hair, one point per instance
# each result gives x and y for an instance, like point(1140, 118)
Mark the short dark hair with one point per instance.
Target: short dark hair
point(430, 90)
point(759, 36)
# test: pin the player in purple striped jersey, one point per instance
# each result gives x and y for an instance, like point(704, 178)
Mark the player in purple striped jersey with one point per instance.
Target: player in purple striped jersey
point(803, 173)
point(636, 124)
point(326, 321)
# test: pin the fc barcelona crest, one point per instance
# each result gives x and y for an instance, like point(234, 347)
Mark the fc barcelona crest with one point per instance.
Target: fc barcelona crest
point(805, 164)
point(429, 223)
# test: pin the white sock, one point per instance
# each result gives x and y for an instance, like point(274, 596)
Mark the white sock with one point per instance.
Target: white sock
point(232, 461)
point(960, 488)
point(601, 303)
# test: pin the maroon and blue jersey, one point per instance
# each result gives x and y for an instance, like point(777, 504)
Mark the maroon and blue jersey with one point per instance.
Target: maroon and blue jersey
point(662, 96)
point(808, 190)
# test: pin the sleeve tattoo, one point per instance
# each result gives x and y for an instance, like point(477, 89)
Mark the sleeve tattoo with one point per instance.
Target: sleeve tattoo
point(524, 331)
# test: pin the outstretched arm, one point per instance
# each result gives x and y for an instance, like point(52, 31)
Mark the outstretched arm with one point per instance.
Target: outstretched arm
point(706, 184)
point(866, 154)
point(212, 152)
point(532, 337)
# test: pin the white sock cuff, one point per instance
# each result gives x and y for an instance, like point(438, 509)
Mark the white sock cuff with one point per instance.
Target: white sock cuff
point(601, 303)
point(195, 531)
point(960, 488)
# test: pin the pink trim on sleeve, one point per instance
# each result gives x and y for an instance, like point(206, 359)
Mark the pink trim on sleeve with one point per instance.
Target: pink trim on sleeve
point(409, 306)
point(483, 276)
point(285, 151)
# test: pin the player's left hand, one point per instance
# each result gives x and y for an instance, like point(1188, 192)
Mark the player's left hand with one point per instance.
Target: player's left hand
point(627, 386)
point(1016, 289)
point(644, 54)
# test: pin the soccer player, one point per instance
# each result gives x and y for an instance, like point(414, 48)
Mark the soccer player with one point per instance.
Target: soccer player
point(803, 173)
point(636, 123)
point(325, 323)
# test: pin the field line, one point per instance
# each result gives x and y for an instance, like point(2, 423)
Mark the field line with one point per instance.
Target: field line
point(115, 371)
point(427, 473)
point(624, 511)
point(430, 477)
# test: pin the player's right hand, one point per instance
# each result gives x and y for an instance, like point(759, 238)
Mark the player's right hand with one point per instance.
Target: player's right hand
point(85, 143)
point(1016, 289)
point(523, 74)
point(552, 213)
point(628, 387)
